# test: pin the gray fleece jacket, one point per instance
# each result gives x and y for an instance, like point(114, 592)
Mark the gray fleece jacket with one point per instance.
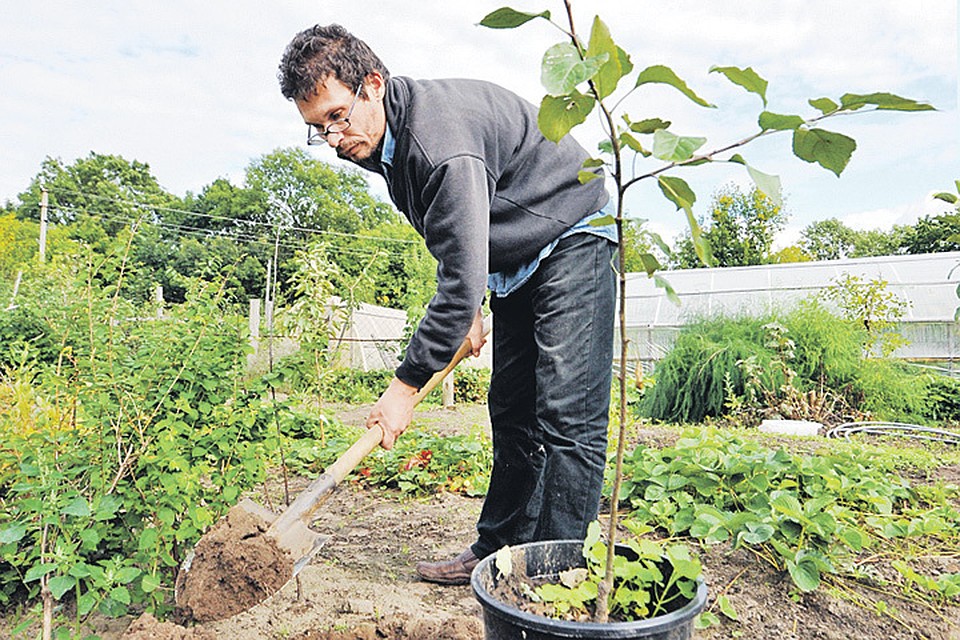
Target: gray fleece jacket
point(476, 178)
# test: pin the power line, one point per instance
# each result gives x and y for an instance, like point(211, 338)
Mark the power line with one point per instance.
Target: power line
point(204, 233)
point(270, 225)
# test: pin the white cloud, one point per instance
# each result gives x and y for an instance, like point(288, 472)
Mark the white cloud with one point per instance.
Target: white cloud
point(190, 88)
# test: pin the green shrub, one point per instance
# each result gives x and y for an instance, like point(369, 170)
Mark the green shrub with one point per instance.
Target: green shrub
point(804, 364)
point(420, 463)
point(827, 349)
point(703, 368)
point(943, 397)
point(471, 385)
point(115, 456)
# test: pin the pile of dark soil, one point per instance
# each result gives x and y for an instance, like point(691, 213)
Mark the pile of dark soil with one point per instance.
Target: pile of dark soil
point(234, 568)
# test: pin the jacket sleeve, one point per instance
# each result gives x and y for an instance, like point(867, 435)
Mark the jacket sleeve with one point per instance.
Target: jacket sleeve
point(456, 199)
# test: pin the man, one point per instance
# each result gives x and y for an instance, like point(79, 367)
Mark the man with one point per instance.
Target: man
point(500, 206)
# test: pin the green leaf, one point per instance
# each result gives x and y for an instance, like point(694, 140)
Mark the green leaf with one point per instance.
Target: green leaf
point(86, 603)
point(824, 105)
point(946, 197)
point(648, 125)
point(677, 191)
point(90, 538)
point(120, 594)
point(602, 221)
point(507, 18)
point(149, 583)
point(830, 150)
point(884, 101)
point(13, 533)
point(673, 148)
point(665, 75)
point(805, 574)
point(59, 585)
point(788, 505)
point(650, 263)
point(756, 533)
point(630, 142)
point(602, 44)
point(127, 575)
point(662, 283)
point(586, 175)
point(77, 507)
point(746, 78)
point(769, 185)
point(563, 68)
point(148, 539)
point(723, 602)
point(705, 620)
point(558, 115)
point(37, 571)
point(776, 122)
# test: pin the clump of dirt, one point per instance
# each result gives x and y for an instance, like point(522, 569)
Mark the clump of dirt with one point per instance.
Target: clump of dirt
point(402, 627)
point(234, 568)
point(146, 627)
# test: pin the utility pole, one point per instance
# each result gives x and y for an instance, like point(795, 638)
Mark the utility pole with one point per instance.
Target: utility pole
point(43, 225)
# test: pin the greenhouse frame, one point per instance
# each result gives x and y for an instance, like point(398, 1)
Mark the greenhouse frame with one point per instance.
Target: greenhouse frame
point(927, 284)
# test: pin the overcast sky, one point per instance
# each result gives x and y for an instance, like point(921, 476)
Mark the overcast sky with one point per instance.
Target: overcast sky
point(190, 87)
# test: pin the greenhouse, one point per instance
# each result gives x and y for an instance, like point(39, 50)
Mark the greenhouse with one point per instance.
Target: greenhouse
point(927, 284)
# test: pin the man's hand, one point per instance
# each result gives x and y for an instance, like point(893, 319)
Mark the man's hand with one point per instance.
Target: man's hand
point(393, 411)
point(475, 335)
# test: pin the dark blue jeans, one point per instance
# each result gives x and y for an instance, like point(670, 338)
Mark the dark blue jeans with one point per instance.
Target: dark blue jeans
point(549, 398)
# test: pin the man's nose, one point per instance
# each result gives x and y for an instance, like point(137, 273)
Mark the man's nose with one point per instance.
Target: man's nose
point(334, 139)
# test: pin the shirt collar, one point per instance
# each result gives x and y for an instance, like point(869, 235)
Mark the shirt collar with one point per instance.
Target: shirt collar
point(389, 146)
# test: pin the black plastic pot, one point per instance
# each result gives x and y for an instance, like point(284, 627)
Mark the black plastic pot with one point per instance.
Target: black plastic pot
point(545, 560)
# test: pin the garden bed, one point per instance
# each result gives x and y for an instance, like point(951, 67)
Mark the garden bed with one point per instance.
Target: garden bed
point(362, 585)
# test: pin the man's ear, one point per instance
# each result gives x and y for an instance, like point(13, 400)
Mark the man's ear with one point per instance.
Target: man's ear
point(374, 86)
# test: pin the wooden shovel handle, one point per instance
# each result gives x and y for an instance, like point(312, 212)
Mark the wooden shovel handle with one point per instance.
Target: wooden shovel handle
point(303, 507)
point(374, 435)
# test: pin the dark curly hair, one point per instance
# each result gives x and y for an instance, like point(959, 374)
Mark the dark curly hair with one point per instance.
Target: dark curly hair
point(320, 52)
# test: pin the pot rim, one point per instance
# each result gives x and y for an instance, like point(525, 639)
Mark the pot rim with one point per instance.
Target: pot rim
point(576, 629)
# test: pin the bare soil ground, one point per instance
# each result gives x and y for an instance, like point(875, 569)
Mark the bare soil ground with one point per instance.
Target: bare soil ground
point(362, 585)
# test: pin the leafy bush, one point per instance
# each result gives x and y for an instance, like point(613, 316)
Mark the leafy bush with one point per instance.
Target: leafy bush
point(119, 452)
point(702, 369)
point(471, 385)
point(943, 397)
point(804, 364)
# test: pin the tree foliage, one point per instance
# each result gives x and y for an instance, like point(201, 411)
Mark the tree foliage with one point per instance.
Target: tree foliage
point(740, 230)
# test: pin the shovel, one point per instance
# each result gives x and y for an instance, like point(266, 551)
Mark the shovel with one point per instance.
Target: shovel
point(290, 530)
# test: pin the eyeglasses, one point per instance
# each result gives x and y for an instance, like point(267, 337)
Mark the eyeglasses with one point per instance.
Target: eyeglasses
point(316, 135)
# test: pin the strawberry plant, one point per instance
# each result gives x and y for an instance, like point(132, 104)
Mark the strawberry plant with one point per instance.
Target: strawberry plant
point(808, 515)
point(421, 462)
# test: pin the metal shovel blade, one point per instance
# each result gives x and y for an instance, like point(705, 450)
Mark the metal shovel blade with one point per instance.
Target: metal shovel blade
point(304, 544)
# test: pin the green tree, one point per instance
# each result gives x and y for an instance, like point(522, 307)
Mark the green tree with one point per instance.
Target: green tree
point(740, 230)
point(18, 244)
point(304, 193)
point(828, 239)
point(793, 253)
point(934, 234)
point(107, 188)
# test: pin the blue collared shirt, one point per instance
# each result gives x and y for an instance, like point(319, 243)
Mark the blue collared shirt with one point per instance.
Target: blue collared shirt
point(503, 283)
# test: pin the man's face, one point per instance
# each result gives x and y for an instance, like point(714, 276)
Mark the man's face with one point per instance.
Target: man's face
point(333, 101)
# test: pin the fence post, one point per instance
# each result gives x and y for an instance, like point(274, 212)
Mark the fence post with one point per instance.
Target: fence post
point(448, 390)
point(255, 324)
point(43, 225)
point(158, 298)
